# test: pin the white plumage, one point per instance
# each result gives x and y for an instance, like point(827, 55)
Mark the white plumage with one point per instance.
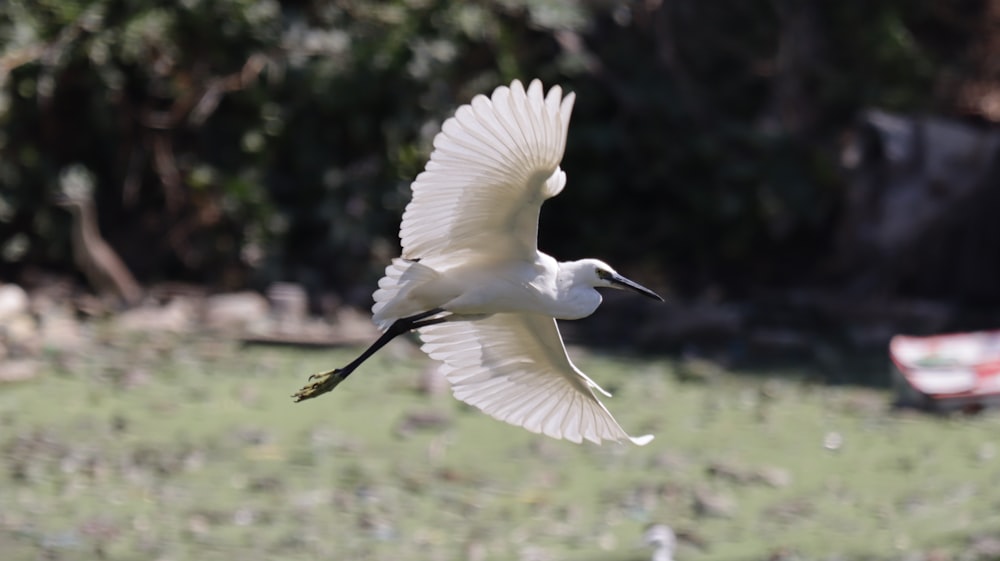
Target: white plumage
point(493, 165)
point(472, 282)
point(514, 367)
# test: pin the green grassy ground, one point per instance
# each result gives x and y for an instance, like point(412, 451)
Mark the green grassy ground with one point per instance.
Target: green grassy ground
point(195, 451)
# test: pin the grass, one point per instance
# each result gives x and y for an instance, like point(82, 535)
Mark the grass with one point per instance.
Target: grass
point(158, 449)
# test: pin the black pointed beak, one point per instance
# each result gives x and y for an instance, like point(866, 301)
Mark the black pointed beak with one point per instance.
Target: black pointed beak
point(619, 281)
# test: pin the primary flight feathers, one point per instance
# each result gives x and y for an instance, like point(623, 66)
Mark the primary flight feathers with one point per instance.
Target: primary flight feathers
point(493, 165)
point(514, 367)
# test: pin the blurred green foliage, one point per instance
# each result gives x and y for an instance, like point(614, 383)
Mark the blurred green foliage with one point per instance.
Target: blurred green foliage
point(240, 141)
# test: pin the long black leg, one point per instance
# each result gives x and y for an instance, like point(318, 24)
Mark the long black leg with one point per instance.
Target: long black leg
point(326, 381)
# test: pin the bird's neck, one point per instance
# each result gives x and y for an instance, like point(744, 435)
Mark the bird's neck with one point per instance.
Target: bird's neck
point(575, 300)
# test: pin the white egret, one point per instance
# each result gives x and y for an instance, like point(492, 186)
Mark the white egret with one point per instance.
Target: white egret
point(472, 282)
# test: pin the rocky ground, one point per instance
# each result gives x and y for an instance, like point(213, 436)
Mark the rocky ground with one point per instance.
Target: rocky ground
point(54, 321)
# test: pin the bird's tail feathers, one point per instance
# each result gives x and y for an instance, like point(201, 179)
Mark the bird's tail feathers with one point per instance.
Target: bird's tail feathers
point(391, 298)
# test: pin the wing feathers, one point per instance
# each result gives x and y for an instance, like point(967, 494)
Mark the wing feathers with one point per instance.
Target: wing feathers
point(494, 163)
point(514, 368)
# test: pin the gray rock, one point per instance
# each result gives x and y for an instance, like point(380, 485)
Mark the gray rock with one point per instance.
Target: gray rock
point(239, 311)
point(13, 302)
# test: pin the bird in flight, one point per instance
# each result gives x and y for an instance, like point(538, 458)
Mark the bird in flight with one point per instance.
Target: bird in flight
point(472, 282)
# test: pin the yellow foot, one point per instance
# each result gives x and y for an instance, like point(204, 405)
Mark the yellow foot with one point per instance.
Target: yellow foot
point(324, 382)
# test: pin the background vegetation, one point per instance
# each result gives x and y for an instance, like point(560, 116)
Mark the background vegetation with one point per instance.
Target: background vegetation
point(237, 142)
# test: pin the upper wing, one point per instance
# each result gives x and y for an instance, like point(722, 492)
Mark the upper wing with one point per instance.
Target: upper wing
point(493, 165)
point(515, 368)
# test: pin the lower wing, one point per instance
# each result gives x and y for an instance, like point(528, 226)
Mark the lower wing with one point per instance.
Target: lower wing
point(514, 367)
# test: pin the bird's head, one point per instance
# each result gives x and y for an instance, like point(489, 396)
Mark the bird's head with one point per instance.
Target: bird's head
point(597, 273)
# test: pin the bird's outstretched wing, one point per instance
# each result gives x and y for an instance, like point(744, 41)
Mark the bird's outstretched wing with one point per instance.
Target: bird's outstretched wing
point(492, 166)
point(514, 367)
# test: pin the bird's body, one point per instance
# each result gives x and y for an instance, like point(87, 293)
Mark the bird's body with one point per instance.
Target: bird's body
point(472, 282)
point(543, 286)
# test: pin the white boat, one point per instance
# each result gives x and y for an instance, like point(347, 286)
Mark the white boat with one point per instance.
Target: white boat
point(947, 372)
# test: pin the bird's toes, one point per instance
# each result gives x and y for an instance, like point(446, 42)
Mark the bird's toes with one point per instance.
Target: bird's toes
point(320, 384)
point(305, 393)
